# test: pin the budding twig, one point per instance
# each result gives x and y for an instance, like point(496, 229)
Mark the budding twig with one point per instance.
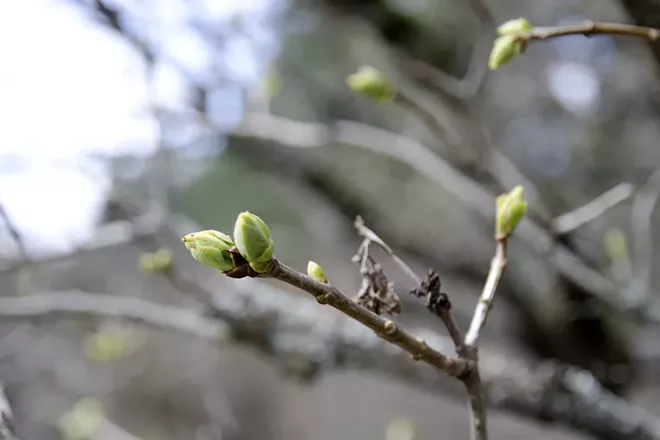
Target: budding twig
point(497, 266)
point(591, 28)
point(475, 390)
point(385, 328)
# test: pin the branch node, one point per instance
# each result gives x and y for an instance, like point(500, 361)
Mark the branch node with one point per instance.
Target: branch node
point(423, 347)
point(486, 302)
point(389, 328)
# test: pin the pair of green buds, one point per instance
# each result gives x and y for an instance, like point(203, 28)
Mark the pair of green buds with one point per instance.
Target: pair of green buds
point(249, 252)
point(510, 43)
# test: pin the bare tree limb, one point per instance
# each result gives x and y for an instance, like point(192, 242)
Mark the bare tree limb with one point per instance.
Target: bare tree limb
point(570, 221)
point(112, 306)
point(418, 348)
point(591, 28)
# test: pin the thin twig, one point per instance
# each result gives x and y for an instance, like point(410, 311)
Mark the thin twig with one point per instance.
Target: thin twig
point(497, 266)
point(570, 221)
point(440, 306)
point(472, 382)
point(591, 28)
point(370, 235)
point(385, 328)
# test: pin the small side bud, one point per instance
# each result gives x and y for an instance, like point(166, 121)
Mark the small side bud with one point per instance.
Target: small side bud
point(510, 209)
point(211, 248)
point(505, 49)
point(370, 82)
point(316, 272)
point(253, 241)
point(514, 26)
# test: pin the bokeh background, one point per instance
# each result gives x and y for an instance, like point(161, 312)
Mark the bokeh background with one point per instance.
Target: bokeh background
point(127, 123)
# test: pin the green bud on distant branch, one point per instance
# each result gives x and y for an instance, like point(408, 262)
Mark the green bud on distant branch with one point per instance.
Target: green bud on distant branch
point(514, 26)
point(211, 248)
point(316, 272)
point(616, 244)
point(510, 209)
point(505, 49)
point(159, 261)
point(253, 241)
point(370, 82)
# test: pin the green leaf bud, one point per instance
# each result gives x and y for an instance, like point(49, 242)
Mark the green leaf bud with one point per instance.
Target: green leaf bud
point(253, 241)
point(505, 49)
point(514, 26)
point(211, 248)
point(510, 209)
point(616, 244)
point(316, 272)
point(370, 82)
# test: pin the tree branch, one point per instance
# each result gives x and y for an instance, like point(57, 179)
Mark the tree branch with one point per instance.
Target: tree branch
point(384, 328)
point(497, 266)
point(570, 221)
point(113, 306)
point(591, 28)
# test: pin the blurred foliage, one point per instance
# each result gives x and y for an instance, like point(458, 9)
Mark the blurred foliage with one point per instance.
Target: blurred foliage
point(83, 421)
